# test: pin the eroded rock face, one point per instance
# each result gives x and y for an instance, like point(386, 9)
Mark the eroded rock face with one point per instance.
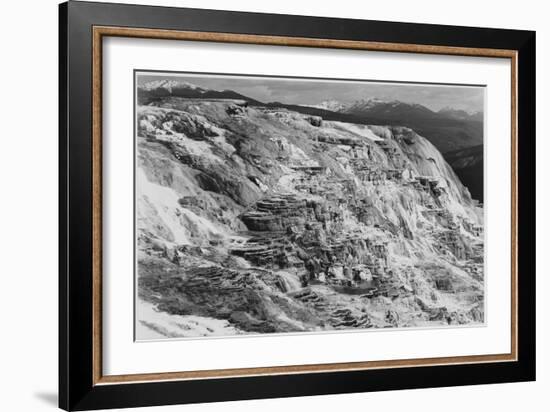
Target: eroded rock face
point(274, 221)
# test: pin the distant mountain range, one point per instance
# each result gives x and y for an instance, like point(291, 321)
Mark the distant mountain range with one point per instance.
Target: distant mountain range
point(450, 130)
point(396, 108)
point(176, 88)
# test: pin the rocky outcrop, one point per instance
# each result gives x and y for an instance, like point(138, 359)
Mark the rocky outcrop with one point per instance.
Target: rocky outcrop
point(276, 221)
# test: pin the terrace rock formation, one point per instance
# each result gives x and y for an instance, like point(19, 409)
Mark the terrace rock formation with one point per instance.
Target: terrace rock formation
point(265, 220)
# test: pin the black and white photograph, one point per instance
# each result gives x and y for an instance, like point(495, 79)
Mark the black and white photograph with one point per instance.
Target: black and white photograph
point(284, 205)
point(248, 206)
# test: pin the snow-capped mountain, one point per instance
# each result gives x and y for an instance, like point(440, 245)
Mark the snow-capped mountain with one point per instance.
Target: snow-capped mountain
point(358, 105)
point(448, 129)
point(390, 110)
point(169, 85)
point(183, 89)
point(332, 105)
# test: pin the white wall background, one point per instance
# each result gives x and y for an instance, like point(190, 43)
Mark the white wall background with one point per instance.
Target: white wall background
point(28, 206)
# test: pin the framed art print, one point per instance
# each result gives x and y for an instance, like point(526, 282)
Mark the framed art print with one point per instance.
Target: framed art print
point(259, 205)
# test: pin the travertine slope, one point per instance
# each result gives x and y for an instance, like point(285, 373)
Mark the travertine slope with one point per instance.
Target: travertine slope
point(262, 220)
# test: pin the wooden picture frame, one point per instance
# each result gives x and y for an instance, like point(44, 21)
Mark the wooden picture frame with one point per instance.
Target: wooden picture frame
point(83, 26)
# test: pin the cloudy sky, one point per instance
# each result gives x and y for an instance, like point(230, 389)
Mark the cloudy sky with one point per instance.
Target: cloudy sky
point(303, 91)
